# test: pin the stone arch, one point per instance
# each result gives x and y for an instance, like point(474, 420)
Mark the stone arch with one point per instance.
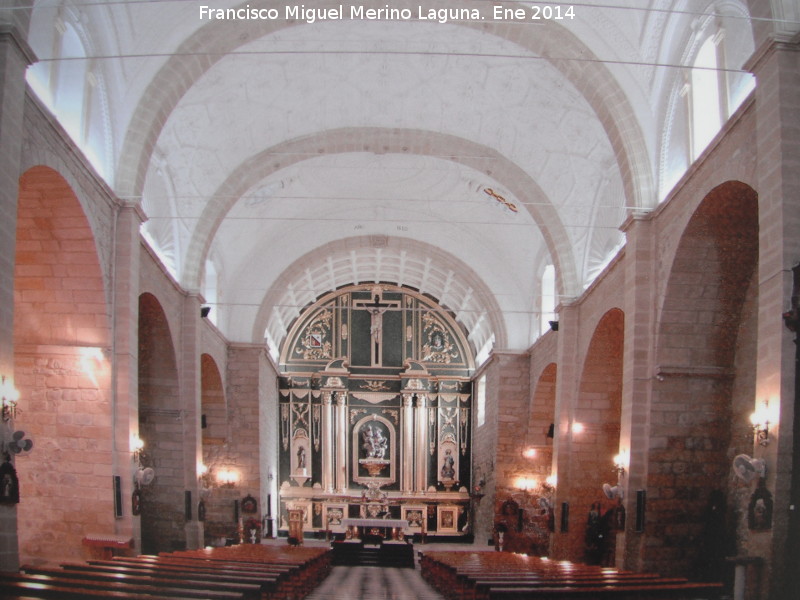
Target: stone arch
point(405, 141)
point(214, 431)
point(598, 411)
point(211, 43)
point(61, 349)
point(705, 380)
point(482, 294)
point(543, 407)
point(162, 431)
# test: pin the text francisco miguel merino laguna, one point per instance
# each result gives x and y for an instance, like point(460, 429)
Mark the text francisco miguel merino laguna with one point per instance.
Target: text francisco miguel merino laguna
point(302, 12)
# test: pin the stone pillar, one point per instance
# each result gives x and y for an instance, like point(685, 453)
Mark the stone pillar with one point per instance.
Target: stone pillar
point(637, 376)
point(15, 56)
point(243, 387)
point(567, 384)
point(421, 436)
point(327, 442)
point(341, 442)
point(407, 472)
point(191, 397)
point(776, 66)
point(125, 351)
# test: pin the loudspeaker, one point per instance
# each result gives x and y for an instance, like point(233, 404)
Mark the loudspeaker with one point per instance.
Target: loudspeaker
point(641, 498)
point(553, 325)
point(187, 504)
point(564, 517)
point(117, 483)
point(551, 431)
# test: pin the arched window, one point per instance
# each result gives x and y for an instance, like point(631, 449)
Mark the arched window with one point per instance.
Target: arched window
point(70, 83)
point(705, 97)
point(480, 400)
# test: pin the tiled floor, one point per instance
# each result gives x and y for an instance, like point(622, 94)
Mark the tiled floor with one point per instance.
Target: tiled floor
point(374, 583)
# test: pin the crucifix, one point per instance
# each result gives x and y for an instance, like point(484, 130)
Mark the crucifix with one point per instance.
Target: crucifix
point(376, 308)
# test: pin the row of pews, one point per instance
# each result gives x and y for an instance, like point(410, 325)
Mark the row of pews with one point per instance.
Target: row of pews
point(488, 575)
point(244, 572)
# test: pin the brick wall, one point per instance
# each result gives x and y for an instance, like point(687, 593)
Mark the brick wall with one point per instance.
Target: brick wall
point(61, 337)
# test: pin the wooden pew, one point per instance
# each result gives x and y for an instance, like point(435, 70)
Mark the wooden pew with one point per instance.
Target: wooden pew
point(274, 581)
point(485, 575)
point(29, 589)
point(268, 589)
point(128, 587)
point(245, 591)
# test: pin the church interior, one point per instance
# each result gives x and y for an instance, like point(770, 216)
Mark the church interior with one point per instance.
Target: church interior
point(515, 276)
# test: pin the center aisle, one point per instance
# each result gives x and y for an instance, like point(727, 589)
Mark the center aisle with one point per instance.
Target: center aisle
point(374, 583)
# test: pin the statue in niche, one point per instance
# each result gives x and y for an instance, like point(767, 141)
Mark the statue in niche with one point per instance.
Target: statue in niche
point(759, 511)
point(374, 443)
point(301, 458)
point(448, 470)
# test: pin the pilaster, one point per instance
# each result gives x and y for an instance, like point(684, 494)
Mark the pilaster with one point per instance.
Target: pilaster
point(637, 376)
point(15, 56)
point(777, 70)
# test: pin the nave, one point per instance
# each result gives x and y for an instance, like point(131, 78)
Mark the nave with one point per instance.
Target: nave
point(374, 583)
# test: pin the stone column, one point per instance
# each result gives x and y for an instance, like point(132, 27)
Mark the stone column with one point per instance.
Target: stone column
point(190, 391)
point(637, 376)
point(421, 436)
point(776, 66)
point(567, 382)
point(407, 455)
point(341, 442)
point(15, 56)
point(125, 351)
point(328, 477)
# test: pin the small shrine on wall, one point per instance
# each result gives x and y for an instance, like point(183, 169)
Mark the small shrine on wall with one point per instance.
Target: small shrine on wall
point(375, 409)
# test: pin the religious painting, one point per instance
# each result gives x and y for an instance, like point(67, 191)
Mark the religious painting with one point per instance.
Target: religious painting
point(437, 346)
point(334, 513)
point(9, 484)
point(249, 504)
point(415, 516)
point(447, 521)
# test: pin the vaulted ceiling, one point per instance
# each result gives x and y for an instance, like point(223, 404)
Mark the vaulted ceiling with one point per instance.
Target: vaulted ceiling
point(280, 159)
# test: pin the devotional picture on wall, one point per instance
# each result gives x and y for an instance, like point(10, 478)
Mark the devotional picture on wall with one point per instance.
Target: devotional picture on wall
point(448, 519)
point(414, 515)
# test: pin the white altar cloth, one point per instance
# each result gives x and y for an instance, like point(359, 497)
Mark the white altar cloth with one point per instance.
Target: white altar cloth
point(375, 523)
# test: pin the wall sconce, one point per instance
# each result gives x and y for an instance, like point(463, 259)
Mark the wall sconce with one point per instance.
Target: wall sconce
point(529, 453)
point(760, 420)
point(621, 462)
point(527, 484)
point(137, 447)
point(227, 478)
point(10, 396)
point(578, 428)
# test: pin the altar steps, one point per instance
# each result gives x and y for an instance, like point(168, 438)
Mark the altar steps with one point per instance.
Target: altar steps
point(350, 554)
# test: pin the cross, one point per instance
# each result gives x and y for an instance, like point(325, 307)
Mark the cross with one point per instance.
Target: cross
point(376, 309)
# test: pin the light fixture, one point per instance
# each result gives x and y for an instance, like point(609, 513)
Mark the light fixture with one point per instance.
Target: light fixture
point(137, 447)
point(621, 462)
point(760, 420)
point(10, 396)
point(578, 428)
point(227, 478)
point(529, 453)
